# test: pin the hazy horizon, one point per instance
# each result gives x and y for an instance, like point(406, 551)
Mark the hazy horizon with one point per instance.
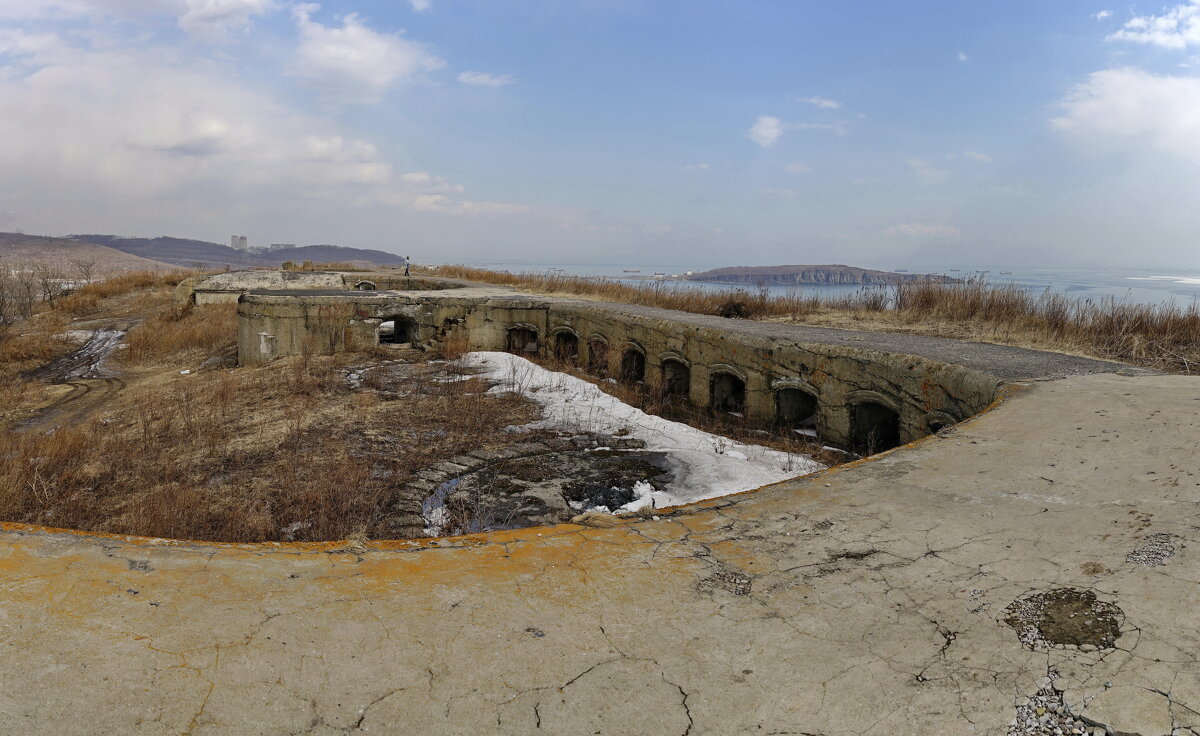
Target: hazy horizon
point(923, 136)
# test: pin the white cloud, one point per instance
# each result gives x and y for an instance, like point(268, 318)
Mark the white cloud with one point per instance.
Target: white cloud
point(204, 18)
point(216, 18)
point(976, 155)
point(1103, 15)
point(69, 9)
point(1133, 109)
point(797, 168)
point(928, 232)
point(419, 5)
point(963, 57)
point(439, 203)
point(355, 62)
point(696, 167)
point(1176, 28)
point(766, 130)
point(838, 128)
point(820, 102)
point(200, 142)
point(927, 173)
point(484, 79)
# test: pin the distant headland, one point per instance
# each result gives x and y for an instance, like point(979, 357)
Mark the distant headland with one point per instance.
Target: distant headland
point(836, 274)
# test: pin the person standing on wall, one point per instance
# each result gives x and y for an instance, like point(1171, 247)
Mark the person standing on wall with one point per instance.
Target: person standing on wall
point(407, 262)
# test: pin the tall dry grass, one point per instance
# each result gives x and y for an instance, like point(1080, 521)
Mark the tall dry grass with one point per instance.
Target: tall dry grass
point(182, 333)
point(1165, 336)
point(1162, 336)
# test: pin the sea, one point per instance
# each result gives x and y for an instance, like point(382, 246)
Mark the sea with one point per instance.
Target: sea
point(1132, 286)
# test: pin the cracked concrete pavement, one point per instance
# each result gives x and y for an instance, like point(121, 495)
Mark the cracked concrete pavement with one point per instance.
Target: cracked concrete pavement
point(868, 599)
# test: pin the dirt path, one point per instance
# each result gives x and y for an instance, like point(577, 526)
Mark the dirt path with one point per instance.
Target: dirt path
point(86, 361)
point(92, 382)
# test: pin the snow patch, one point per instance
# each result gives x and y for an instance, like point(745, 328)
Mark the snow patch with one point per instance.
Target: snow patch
point(705, 465)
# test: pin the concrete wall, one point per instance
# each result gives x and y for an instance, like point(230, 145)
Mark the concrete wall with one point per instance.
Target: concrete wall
point(225, 288)
point(924, 394)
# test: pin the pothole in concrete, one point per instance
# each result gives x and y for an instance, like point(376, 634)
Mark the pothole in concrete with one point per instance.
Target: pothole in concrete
point(1156, 549)
point(1065, 617)
point(730, 581)
point(1046, 714)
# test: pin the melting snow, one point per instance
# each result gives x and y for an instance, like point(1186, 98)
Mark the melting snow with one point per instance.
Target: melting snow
point(704, 465)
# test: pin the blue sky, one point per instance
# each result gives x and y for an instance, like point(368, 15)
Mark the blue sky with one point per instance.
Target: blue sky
point(926, 134)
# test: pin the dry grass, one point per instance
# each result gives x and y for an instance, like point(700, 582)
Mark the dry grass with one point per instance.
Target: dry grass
point(1162, 336)
point(280, 452)
point(182, 334)
point(123, 283)
point(657, 294)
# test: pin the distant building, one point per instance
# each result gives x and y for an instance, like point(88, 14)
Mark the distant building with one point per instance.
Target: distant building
point(281, 246)
point(239, 242)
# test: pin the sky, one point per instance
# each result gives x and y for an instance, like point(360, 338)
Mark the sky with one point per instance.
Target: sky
point(700, 133)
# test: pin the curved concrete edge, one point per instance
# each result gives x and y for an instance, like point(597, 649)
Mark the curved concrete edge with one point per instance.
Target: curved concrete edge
point(859, 390)
point(867, 600)
point(527, 534)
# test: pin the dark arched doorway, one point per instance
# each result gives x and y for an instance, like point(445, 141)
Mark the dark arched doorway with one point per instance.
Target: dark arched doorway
point(597, 363)
point(566, 346)
point(873, 428)
point(633, 366)
point(795, 409)
point(398, 330)
point(727, 393)
point(521, 340)
point(676, 381)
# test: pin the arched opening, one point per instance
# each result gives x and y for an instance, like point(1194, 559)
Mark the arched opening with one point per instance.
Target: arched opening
point(938, 421)
point(676, 381)
point(521, 340)
point(633, 366)
point(796, 411)
point(597, 363)
point(873, 428)
point(365, 286)
point(727, 394)
point(398, 330)
point(566, 346)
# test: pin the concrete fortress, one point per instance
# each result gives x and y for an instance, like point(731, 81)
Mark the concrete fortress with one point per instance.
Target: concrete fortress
point(860, 391)
point(1032, 570)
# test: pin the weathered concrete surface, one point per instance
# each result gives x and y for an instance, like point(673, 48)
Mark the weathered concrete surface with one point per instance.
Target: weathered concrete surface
point(867, 390)
point(865, 600)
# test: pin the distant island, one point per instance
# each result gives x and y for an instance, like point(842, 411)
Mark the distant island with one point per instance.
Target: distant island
point(835, 274)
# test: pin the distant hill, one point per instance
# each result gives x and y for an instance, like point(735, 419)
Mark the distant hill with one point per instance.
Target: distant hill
point(836, 274)
point(184, 252)
point(18, 249)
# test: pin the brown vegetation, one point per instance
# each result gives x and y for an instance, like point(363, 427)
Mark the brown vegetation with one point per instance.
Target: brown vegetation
point(1163, 336)
point(183, 333)
point(282, 452)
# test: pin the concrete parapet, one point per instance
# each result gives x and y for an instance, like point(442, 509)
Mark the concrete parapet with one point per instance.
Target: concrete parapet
point(866, 392)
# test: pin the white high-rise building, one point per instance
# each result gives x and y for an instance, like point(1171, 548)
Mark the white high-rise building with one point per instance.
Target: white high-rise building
point(238, 242)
